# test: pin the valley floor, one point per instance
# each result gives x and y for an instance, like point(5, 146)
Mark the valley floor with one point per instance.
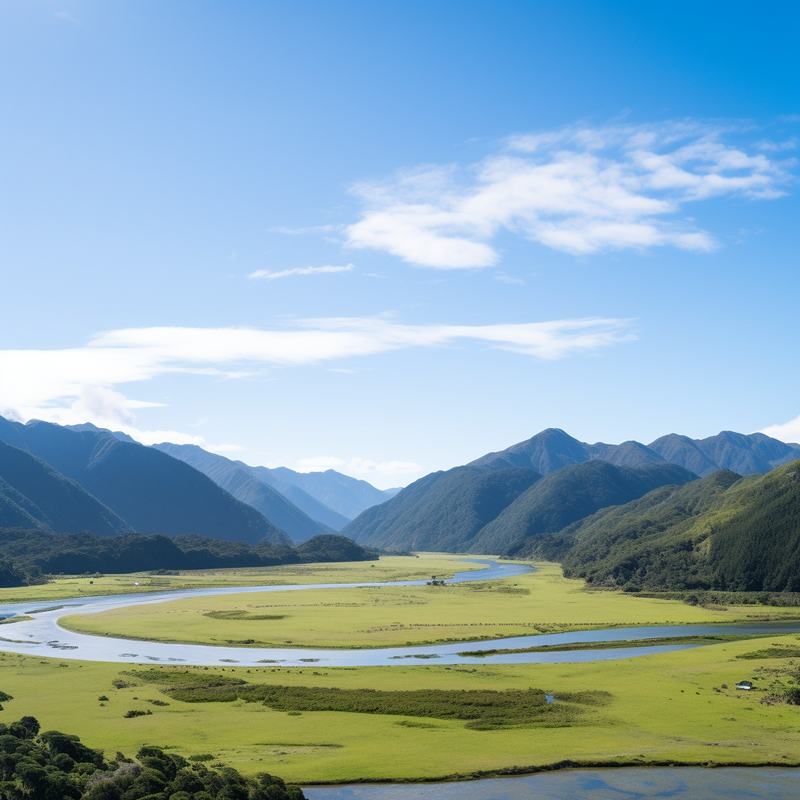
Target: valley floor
point(678, 707)
point(539, 602)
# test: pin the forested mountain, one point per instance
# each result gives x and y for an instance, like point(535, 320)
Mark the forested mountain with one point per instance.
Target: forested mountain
point(239, 480)
point(483, 510)
point(552, 449)
point(569, 494)
point(151, 491)
point(34, 495)
point(720, 532)
point(442, 511)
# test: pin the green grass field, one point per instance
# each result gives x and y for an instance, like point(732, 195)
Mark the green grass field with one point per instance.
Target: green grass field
point(663, 708)
point(677, 707)
point(540, 602)
point(386, 569)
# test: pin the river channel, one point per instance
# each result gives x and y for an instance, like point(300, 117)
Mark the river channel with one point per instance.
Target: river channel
point(624, 783)
point(42, 635)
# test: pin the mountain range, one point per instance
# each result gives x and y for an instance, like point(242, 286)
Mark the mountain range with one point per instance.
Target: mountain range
point(745, 454)
point(239, 480)
point(84, 478)
point(521, 500)
point(476, 509)
point(550, 496)
point(147, 491)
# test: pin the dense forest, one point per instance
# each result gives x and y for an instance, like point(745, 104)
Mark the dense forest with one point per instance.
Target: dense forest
point(26, 554)
point(723, 532)
point(52, 765)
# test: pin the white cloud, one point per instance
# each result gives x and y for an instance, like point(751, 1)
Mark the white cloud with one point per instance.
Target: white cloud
point(265, 273)
point(78, 384)
point(579, 190)
point(788, 432)
point(224, 448)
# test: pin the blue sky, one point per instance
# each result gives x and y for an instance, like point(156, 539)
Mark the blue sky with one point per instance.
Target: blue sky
point(389, 237)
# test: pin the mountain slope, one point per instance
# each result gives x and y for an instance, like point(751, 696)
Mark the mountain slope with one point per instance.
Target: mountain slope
point(569, 494)
point(345, 495)
point(721, 532)
point(151, 491)
point(31, 491)
point(237, 479)
point(315, 509)
point(552, 449)
point(442, 511)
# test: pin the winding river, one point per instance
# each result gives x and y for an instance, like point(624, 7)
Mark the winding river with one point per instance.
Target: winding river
point(42, 635)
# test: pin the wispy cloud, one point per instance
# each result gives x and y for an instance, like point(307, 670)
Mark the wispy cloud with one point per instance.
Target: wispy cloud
point(579, 190)
point(265, 273)
point(503, 278)
point(303, 231)
point(357, 466)
point(79, 384)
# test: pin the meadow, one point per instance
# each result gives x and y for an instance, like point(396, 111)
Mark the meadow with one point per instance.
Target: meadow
point(671, 707)
point(398, 568)
point(425, 721)
point(540, 602)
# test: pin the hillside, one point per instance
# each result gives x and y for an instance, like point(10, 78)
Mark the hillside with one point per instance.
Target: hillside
point(569, 494)
point(552, 449)
point(33, 494)
point(151, 491)
point(443, 511)
point(721, 532)
point(239, 480)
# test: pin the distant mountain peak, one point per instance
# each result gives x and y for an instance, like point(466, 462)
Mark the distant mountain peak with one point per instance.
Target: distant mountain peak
point(553, 448)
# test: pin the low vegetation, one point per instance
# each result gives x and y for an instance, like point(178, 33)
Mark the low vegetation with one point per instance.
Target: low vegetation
point(481, 709)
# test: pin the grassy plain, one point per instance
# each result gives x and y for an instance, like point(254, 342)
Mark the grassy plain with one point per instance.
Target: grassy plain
point(397, 568)
point(540, 602)
point(664, 708)
point(676, 707)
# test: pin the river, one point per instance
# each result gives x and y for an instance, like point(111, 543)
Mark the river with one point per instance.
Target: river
point(43, 636)
point(624, 783)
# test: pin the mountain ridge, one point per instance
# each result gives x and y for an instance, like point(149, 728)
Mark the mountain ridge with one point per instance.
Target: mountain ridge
point(553, 448)
point(236, 478)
